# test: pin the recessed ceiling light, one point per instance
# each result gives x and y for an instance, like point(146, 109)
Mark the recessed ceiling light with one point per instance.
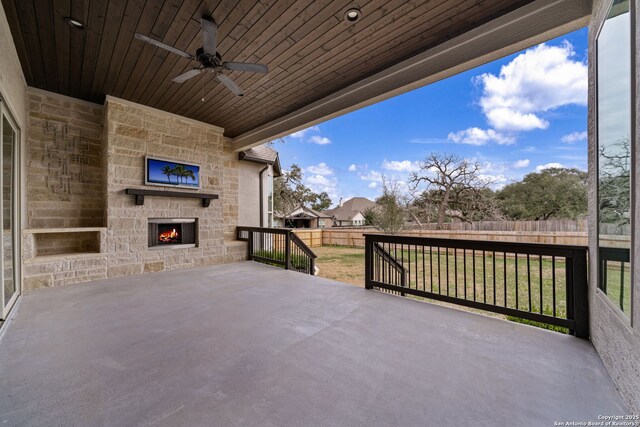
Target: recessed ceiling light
point(352, 15)
point(75, 23)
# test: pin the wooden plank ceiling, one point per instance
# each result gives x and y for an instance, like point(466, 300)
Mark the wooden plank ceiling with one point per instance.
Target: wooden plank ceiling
point(310, 49)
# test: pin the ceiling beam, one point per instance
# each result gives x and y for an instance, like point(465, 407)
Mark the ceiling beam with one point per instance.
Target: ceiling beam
point(534, 23)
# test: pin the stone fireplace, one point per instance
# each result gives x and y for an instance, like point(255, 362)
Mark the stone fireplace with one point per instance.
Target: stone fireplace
point(172, 233)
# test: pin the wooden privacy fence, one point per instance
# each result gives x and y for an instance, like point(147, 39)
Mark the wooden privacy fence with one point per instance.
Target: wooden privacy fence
point(355, 238)
point(550, 225)
point(311, 237)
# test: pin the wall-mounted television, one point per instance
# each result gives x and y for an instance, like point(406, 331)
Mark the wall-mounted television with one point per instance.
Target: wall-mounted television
point(171, 173)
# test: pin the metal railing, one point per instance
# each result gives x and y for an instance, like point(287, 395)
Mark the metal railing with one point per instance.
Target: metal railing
point(538, 282)
point(279, 247)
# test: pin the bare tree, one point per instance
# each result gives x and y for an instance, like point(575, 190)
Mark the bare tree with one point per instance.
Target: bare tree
point(451, 182)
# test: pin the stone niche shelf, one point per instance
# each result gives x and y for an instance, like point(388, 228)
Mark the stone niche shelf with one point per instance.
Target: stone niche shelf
point(49, 244)
point(141, 193)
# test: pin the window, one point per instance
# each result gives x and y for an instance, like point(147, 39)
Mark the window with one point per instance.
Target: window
point(615, 150)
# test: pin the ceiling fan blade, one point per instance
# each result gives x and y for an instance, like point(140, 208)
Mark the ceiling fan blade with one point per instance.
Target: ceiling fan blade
point(186, 76)
point(246, 66)
point(233, 87)
point(209, 30)
point(162, 45)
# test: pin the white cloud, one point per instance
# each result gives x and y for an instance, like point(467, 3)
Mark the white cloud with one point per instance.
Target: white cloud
point(540, 168)
point(477, 136)
point(320, 140)
point(320, 183)
point(400, 165)
point(574, 137)
point(428, 141)
point(506, 118)
point(518, 164)
point(353, 168)
point(372, 176)
point(303, 132)
point(540, 79)
point(320, 169)
point(372, 185)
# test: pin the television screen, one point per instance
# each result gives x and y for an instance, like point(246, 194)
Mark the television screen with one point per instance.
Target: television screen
point(167, 172)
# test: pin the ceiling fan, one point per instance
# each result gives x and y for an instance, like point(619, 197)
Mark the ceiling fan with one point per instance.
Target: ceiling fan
point(209, 58)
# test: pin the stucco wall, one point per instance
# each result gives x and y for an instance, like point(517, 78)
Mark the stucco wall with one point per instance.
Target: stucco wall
point(249, 193)
point(616, 339)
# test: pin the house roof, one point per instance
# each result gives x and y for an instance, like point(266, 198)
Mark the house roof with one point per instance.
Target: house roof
point(350, 208)
point(263, 154)
point(311, 213)
point(320, 64)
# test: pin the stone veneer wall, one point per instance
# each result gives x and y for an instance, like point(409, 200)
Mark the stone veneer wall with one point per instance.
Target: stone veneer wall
point(64, 171)
point(127, 132)
point(133, 131)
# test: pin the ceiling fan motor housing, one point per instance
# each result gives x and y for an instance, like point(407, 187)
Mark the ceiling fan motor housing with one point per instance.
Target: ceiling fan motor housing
point(207, 60)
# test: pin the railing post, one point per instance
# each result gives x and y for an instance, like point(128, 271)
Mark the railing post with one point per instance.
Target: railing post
point(287, 250)
point(313, 266)
point(368, 261)
point(580, 294)
point(250, 234)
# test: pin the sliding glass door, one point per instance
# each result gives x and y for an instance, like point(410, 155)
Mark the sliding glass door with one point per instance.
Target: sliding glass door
point(9, 258)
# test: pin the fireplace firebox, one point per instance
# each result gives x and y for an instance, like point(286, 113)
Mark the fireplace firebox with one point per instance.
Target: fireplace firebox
point(170, 233)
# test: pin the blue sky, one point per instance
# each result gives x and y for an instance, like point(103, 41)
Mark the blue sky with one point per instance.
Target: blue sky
point(513, 116)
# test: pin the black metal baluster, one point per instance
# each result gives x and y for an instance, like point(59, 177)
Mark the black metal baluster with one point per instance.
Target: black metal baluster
point(622, 286)
point(541, 282)
point(447, 261)
point(431, 265)
point(409, 264)
point(439, 272)
point(529, 280)
point(415, 258)
point(516, 266)
point(464, 271)
point(553, 283)
point(484, 277)
point(395, 256)
point(423, 270)
point(504, 276)
point(473, 255)
point(455, 269)
point(494, 278)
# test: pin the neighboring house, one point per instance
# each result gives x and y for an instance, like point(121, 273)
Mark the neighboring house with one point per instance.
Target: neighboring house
point(304, 217)
point(351, 212)
point(256, 170)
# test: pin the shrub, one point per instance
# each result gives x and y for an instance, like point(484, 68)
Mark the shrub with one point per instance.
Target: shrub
point(547, 311)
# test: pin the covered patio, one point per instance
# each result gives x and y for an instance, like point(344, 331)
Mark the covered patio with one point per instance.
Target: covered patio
point(249, 344)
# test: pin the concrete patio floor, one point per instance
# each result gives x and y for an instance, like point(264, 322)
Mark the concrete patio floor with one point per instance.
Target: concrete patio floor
point(248, 344)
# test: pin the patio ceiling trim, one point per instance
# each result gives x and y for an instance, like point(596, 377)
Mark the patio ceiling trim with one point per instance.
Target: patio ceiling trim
point(534, 23)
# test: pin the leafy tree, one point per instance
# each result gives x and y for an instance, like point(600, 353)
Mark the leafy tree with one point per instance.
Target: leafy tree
point(289, 193)
point(614, 196)
point(188, 173)
point(389, 215)
point(550, 193)
point(369, 215)
point(321, 202)
point(179, 172)
point(454, 189)
point(167, 170)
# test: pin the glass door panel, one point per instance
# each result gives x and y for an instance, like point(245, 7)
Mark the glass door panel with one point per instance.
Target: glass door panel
point(8, 181)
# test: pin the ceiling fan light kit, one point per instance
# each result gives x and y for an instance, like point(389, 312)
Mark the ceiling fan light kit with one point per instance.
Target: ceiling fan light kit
point(209, 58)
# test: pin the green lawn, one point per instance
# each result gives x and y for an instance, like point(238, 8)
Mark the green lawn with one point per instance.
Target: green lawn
point(347, 265)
